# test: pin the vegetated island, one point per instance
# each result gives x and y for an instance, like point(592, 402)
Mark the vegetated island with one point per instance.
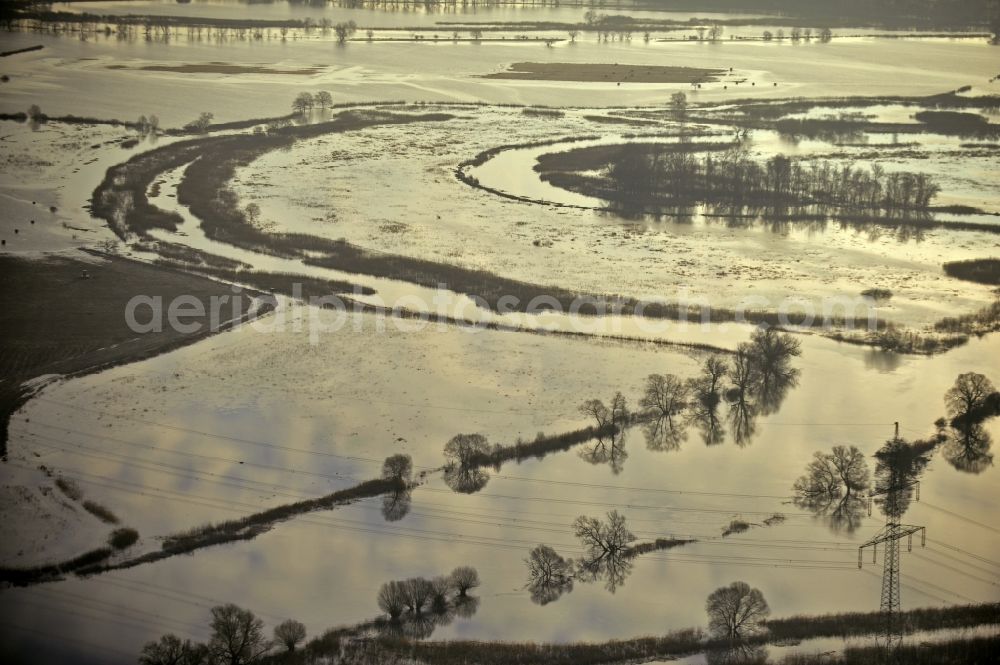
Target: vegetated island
point(604, 72)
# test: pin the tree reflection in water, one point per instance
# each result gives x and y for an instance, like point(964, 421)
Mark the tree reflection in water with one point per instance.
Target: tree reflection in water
point(413, 626)
point(609, 449)
point(968, 449)
point(899, 466)
point(664, 434)
point(738, 653)
point(466, 480)
point(396, 506)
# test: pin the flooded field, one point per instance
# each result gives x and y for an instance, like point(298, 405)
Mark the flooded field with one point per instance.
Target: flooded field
point(485, 224)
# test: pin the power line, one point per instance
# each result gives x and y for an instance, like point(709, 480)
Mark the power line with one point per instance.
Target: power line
point(643, 489)
point(956, 570)
point(961, 517)
point(965, 552)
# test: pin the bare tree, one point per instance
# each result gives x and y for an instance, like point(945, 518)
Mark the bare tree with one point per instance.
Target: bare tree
point(595, 409)
point(820, 479)
point(170, 650)
point(619, 411)
point(464, 578)
point(852, 468)
point(392, 598)
point(968, 395)
point(736, 611)
point(302, 103)
point(467, 450)
point(237, 636)
point(289, 633)
point(202, 124)
point(344, 31)
point(441, 587)
point(842, 471)
point(573, 35)
point(602, 539)
point(710, 382)
point(418, 591)
point(772, 353)
point(397, 467)
point(665, 396)
point(323, 99)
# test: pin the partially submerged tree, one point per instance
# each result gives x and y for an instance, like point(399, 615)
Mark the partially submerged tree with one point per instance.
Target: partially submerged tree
point(303, 102)
point(708, 385)
point(397, 467)
point(968, 395)
point(467, 450)
point(392, 598)
point(851, 468)
point(441, 587)
point(464, 578)
point(601, 539)
point(594, 408)
point(666, 396)
point(344, 31)
point(323, 99)
point(237, 636)
point(832, 486)
point(289, 633)
point(418, 592)
point(736, 611)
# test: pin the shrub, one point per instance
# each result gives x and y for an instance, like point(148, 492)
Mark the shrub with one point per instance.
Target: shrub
point(736, 526)
point(122, 538)
point(877, 294)
point(100, 512)
point(69, 488)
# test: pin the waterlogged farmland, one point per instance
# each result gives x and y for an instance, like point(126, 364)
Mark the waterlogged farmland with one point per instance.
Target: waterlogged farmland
point(624, 308)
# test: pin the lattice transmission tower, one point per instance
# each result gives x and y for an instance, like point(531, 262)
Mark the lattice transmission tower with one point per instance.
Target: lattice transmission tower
point(891, 634)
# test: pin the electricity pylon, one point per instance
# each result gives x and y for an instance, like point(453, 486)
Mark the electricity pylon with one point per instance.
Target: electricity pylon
point(892, 631)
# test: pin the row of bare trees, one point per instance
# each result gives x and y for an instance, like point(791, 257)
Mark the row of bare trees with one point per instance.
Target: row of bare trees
point(753, 382)
point(417, 594)
point(306, 101)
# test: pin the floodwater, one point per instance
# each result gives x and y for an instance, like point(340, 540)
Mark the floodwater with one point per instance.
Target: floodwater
point(308, 401)
point(410, 392)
